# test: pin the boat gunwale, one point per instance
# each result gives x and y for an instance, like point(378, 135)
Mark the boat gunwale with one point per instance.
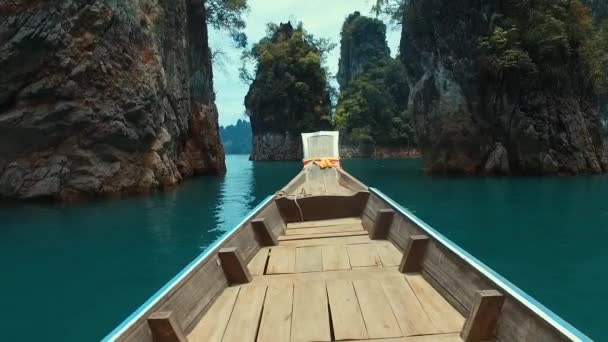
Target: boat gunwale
point(502, 283)
point(182, 275)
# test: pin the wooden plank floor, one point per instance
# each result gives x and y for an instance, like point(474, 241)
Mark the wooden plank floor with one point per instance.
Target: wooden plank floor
point(331, 284)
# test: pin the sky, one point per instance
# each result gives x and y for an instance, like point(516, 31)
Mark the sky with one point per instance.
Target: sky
point(322, 18)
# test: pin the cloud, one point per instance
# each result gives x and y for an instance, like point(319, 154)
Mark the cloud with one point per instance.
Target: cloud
point(322, 18)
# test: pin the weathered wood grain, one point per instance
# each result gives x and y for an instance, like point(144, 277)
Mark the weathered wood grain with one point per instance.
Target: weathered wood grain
point(388, 253)
point(363, 255)
point(346, 316)
point(480, 324)
point(382, 224)
point(347, 180)
point(518, 323)
point(321, 235)
point(335, 257)
point(258, 262)
point(324, 223)
point(310, 321)
point(376, 309)
point(243, 323)
point(276, 318)
point(327, 241)
point(353, 227)
point(412, 318)
point(281, 260)
point(315, 207)
point(414, 254)
point(293, 278)
point(442, 314)
point(309, 259)
point(234, 267)
point(164, 328)
point(212, 326)
point(262, 232)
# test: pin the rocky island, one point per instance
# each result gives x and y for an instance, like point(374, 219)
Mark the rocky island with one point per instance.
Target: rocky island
point(289, 93)
point(506, 89)
point(103, 97)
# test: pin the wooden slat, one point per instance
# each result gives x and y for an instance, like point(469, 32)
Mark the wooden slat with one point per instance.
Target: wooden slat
point(324, 230)
point(361, 273)
point(309, 259)
point(376, 310)
point(310, 320)
point(276, 319)
point(327, 241)
point(212, 326)
point(281, 260)
point(426, 338)
point(443, 315)
point(243, 323)
point(258, 263)
point(363, 255)
point(335, 257)
point(412, 318)
point(324, 223)
point(345, 311)
point(388, 254)
point(322, 235)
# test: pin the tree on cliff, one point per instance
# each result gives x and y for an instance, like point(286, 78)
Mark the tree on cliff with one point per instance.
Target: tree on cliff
point(290, 91)
point(510, 87)
point(227, 15)
point(373, 87)
point(237, 137)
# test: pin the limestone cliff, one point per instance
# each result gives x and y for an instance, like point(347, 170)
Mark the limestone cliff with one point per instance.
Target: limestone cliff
point(103, 97)
point(362, 44)
point(489, 95)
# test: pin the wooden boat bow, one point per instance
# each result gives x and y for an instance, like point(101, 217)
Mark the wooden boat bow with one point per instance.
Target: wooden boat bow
point(326, 259)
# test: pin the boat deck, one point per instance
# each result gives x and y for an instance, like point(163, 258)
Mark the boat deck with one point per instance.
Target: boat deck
point(327, 281)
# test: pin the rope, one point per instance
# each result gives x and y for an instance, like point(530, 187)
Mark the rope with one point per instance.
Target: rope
point(295, 197)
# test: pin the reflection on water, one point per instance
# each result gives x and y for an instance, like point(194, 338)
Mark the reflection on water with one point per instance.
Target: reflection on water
point(236, 193)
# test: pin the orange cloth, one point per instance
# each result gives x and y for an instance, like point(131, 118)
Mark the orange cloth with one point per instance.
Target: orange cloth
point(324, 163)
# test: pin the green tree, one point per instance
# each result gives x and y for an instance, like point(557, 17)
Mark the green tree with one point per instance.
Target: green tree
point(373, 87)
point(228, 15)
point(290, 91)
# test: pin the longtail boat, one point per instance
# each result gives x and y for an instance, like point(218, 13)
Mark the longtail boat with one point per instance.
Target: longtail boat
point(328, 259)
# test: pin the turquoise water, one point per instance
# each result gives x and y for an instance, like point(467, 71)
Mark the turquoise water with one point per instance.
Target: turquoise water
point(76, 271)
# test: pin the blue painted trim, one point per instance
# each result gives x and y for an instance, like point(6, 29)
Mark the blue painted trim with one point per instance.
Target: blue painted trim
point(549, 316)
point(135, 316)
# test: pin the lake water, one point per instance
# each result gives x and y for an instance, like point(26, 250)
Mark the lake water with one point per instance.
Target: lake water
point(73, 272)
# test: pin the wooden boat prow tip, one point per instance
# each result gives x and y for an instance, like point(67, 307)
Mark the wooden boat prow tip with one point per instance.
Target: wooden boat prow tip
point(327, 258)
